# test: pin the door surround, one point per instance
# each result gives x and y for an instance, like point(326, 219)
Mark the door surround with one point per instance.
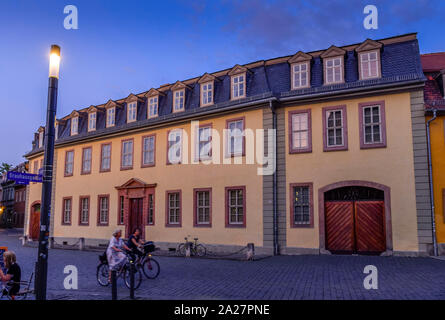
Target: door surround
point(134, 188)
point(355, 183)
point(31, 217)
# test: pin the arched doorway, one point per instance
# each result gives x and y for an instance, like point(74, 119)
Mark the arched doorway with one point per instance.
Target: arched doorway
point(355, 218)
point(34, 221)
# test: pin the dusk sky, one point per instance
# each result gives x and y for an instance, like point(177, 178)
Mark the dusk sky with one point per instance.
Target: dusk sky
point(124, 47)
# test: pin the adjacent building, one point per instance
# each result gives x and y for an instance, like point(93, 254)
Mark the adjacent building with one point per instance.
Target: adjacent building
point(346, 171)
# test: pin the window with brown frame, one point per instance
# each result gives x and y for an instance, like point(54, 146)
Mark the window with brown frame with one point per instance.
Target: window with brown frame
point(86, 160)
point(153, 107)
point(111, 117)
point(148, 151)
point(301, 205)
point(103, 210)
point(67, 205)
point(105, 157)
point(236, 206)
point(173, 207)
point(300, 133)
point(69, 163)
point(202, 207)
point(207, 93)
point(131, 111)
point(334, 70)
point(179, 100)
point(151, 212)
point(84, 211)
point(121, 210)
point(92, 121)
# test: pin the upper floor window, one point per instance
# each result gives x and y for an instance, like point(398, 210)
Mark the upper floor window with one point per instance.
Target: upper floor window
point(41, 135)
point(74, 125)
point(334, 70)
point(148, 151)
point(207, 94)
point(153, 107)
point(335, 128)
point(300, 131)
point(131, 111)
point(372, 125)
point(69, 163)
point(179, 100)
point(86, 161)
point(204, 143)
point(127, 154)
point(369, 65)
point(300, 75)
point(92, 121)
point(239, 86)
point(174, 153)
point(235, 137)
point(111, 117)
point(105, 157)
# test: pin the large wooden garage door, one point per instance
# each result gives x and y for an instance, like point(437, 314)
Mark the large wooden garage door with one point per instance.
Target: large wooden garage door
point(340, 226)
point(370, 226)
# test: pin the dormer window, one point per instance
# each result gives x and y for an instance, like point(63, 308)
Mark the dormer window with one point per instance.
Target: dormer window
point(41, 135)
point(56, 130)
point(111, 117)
point(92, 121)
point(300, 75)
point(74, 125)
point(239, 86)
point(334, 70)
point(206, 93)
point(179, 100)
point(131, 111)
point(153, 107)
point(369, 65)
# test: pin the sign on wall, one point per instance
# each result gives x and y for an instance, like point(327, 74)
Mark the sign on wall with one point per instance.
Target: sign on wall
point(24, 178)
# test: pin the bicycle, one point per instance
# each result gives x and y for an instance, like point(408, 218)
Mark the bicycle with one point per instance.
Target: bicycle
point(150, 266)
point(21, 295)
point(195, 248)
point(103, 269)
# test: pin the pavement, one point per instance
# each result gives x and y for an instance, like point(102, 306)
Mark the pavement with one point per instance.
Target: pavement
point(325, 277)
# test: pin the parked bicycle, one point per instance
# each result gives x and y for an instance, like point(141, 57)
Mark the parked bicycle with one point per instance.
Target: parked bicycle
point(150, 267)
point(21, 295)
point(195, 248)
point(103, 270)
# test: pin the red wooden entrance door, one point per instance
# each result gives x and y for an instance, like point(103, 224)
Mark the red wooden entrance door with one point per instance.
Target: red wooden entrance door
point(34, 226)
point(135, 217)
point(355, 226)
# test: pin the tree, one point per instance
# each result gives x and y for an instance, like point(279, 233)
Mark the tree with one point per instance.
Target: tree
point(4, 167)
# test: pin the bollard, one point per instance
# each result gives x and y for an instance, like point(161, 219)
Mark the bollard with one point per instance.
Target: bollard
point(113, 285)
point(250, 251)
point(51, 242)
point(132, 272)
point(82, 244)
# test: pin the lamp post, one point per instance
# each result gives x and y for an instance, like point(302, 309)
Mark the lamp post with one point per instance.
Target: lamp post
point(42, 259)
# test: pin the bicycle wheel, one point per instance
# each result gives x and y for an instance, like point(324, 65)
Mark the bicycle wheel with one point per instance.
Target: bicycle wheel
point(102, 274)
point(181, 249)
point(137, 277)
point(200, 250)
point(151, 268)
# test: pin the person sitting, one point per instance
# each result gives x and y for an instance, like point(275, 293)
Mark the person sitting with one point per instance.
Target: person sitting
point(13, 273)
point(135, 242)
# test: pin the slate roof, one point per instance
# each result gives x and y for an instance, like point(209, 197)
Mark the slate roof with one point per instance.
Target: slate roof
point(433, 66)
point(400, 63)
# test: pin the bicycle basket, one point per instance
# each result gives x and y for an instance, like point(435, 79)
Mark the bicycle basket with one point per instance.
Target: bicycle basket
point(103, 257)
point(149, 246)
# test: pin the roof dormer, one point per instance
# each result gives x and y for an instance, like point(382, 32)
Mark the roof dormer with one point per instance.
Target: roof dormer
point(132, 107)
point(92, 118)
point(238, 82)
point(41, 134)
point(369, 65)
point(333, 65)
point(300, 70)
point(207, 89)
point(74, 116)
point(110, 108)
point(179, 90)
point(152, 97)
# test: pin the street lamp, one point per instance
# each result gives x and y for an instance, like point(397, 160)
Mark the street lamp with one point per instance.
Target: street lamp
point(48, 159)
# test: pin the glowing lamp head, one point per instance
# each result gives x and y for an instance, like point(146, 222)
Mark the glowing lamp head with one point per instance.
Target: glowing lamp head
point(54, 61)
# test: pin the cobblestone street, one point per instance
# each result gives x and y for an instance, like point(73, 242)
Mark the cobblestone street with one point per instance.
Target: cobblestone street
point(282, 277)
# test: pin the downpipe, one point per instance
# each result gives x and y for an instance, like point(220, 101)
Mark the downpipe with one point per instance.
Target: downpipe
point(430, 167)
point(276, 250)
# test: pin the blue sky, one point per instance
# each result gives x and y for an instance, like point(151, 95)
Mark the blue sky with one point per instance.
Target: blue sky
point(131, 46)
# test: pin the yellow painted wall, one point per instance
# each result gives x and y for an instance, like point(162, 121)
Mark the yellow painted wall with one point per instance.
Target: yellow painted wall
point(391, 166)
point(167, 177)
point(437, 131)
point(35, 192)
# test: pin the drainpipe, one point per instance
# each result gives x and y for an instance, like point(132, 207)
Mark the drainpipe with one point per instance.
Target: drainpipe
point(433, 217)
point(276, 250)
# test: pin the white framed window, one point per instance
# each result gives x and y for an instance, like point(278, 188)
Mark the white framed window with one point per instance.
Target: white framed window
point(334, 128)
point(174, 153)
point(153, 107)
point(239, 86)
point(207, 93)
point(105, 161)
point(86, 160)
point(127, 154)
point(69, 163)
point(84, 210)
point(369, 65)
point(103, 209)
point(372, 125)
point(41, 135)
point(300, 131)
point(300, 75)
point(334, 70)
point(236, 206)
point(148, 151)
point(203, 207)
point(56, 131)
point(204, 143)
point(131, 112)
point(111, 117)
point(74, 125)
point(235, 137)
point(67, 211)
point(92, 121)
point(174, 208)
point(179, 100)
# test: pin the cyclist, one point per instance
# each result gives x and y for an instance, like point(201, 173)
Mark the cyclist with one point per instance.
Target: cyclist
point(115, 252)
point(13, 274)
point(135, 242)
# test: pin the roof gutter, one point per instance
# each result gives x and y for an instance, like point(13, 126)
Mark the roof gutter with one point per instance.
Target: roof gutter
point(430, 172)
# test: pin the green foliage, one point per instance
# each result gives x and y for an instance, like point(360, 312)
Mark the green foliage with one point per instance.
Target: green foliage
point(5, 167)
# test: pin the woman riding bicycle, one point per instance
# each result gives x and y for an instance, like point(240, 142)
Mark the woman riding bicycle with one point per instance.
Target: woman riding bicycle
point(115, 252)
point(13, 274)
point(135, 242)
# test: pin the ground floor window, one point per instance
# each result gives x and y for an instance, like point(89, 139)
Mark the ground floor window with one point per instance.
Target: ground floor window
point(84, 214)
point(150, 217)
point(66, 217)
point(301, 205)
point(103, 206)
point(173, 208)
point(121, 210)
point(236, 207)
point(202, 207)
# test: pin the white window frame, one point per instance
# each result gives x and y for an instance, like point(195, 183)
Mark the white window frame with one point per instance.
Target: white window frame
point(203, 143)
point(104, 210)
point(87, 155)
point(207, 93)
point(335, 127)
point(85, 211)
point(153, 107)
point(111, 117)
point(238, 137)
point(41, 135)
point(103, 157)
point(333, 68)
point(146, 150)
point(238, 85)
point(376, 60)
point(74, 125)
point(301, 131)
point(132, 111)
point(206, 195)
point(372, 124)
point(92, 117)
point(67, 211)
point(56, 131)
point(127, 156)
point(176, 208)
point(178, 100)
point(300, 75)
point(176, 133)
